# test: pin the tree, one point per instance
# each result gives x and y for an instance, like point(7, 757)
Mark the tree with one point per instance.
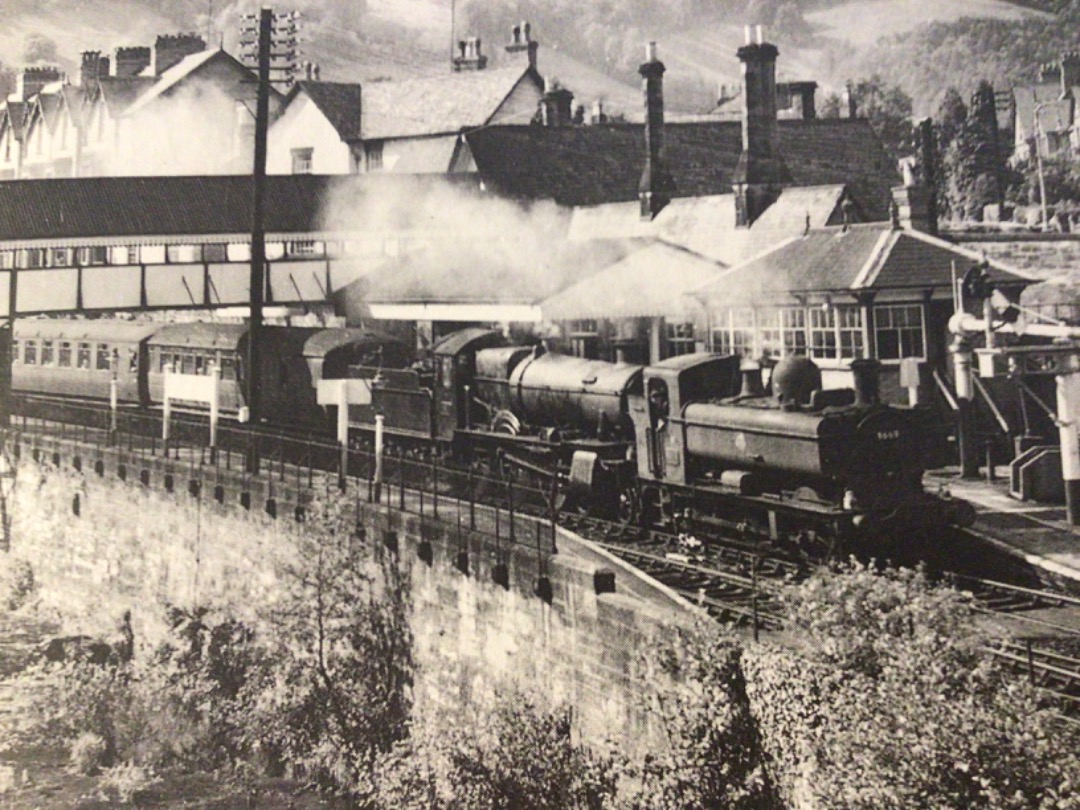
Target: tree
point(973, 160)
point(889, 110)
point(341, 691)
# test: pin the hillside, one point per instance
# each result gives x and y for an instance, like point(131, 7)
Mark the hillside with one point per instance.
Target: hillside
point(925, 45)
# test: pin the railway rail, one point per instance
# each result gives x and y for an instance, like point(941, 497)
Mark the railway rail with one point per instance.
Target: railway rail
point(731, 582)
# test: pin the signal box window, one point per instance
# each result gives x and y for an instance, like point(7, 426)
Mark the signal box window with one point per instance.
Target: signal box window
point(899, 332)
point(302, 160)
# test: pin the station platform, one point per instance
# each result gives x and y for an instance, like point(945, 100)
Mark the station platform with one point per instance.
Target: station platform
point(1036, 534)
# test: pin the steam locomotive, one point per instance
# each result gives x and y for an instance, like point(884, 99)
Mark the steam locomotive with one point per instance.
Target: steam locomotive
point(695, 442)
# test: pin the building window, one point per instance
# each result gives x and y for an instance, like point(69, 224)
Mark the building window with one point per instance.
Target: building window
point(898, 331)
point(584, 338)
point(99, 254)
point(734, 332)
point(30, 356)
point(836, 332)
point(680, 339)
point(7, 259)
point(60, 257)
point(181, 254)
point(215, 253)
point(823, 332)
point(374, 154)
point(301, 160)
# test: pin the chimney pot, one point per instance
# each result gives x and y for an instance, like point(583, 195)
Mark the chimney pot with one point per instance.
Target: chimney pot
point(656, 186)
point(758, 35)
point(650, 52)
point(747, 40)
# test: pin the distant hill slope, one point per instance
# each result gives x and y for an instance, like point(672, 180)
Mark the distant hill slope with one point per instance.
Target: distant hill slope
point(595, 44)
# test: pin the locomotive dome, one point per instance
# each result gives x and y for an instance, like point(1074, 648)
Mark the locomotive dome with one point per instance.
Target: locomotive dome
point(794, 379)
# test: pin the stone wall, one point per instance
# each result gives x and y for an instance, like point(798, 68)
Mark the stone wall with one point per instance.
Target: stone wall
point(484, 609)
point(1043, 255)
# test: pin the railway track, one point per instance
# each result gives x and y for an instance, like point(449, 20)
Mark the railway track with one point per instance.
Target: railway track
point(741, 586)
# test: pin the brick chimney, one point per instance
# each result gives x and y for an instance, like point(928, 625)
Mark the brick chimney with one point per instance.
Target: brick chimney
point(850, 101)
point(131, 61)
point(521, 41)
point(169, 49)
point(803, 107)
point(556, 105)
point(760, 171)
point(657, 185)
point(914, 204)
point(30, 80)
point(469, 56)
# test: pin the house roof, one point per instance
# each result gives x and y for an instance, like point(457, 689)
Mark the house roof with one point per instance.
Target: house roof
point(15, 112)
point(340, 102)
point(104, 207)
point(120, 93)
point(862, 257)
point(706, 225)
point(649, 283)
point(588, 165)
point(1056, 114)
point(183, 69)
point(438, 104)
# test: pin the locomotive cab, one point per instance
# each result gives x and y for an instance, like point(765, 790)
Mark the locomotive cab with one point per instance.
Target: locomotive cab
point(454, 359)
point(669, 386)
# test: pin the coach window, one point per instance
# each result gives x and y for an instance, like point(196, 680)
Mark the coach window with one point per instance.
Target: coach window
point(104, 359)
point(215, 253)
point(63, 357)
point(200, 364)
point(46, 352)
point(30, 355)
point(228, 368)
point(899, 332)
point(15, 356)
point(133, 361)
point(83, 358)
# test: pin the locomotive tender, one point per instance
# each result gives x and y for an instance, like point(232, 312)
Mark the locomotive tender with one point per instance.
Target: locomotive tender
point(693, 442)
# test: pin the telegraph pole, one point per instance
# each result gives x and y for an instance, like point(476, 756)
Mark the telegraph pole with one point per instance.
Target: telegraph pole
point(258, 233)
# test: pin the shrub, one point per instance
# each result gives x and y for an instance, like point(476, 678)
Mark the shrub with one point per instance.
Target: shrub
point(88, 753)
point(696, 693)
point(17, 583)
point(899, 706)
point(126, 783)
point(510, 751)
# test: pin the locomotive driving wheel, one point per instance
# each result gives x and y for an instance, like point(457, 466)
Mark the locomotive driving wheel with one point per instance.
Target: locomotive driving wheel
point(628, 509)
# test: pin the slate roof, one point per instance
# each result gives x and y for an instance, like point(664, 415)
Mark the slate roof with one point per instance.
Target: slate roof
point(438, 104)
point(179, 206)
point(121, 93)
point(16, 114)
point(649, 283)
point(874, 256)
point(181, 71)
point(589, 165)
point(706, 225)
point(340, 102)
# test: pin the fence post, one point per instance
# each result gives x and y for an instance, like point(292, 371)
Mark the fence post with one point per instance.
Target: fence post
point(435, 484)
point(377, 477)
point(754, 594)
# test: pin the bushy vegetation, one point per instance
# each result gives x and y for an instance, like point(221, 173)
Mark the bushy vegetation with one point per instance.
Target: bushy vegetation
point(894, 703)
point(16, 582)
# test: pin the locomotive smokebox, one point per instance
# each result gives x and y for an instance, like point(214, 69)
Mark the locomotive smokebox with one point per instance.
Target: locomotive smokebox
point(866, 377)
point(751, 380)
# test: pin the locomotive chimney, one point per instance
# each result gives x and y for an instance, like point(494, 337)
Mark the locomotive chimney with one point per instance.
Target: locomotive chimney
point(656, 184)
point(751, 380)
point(865, 378)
